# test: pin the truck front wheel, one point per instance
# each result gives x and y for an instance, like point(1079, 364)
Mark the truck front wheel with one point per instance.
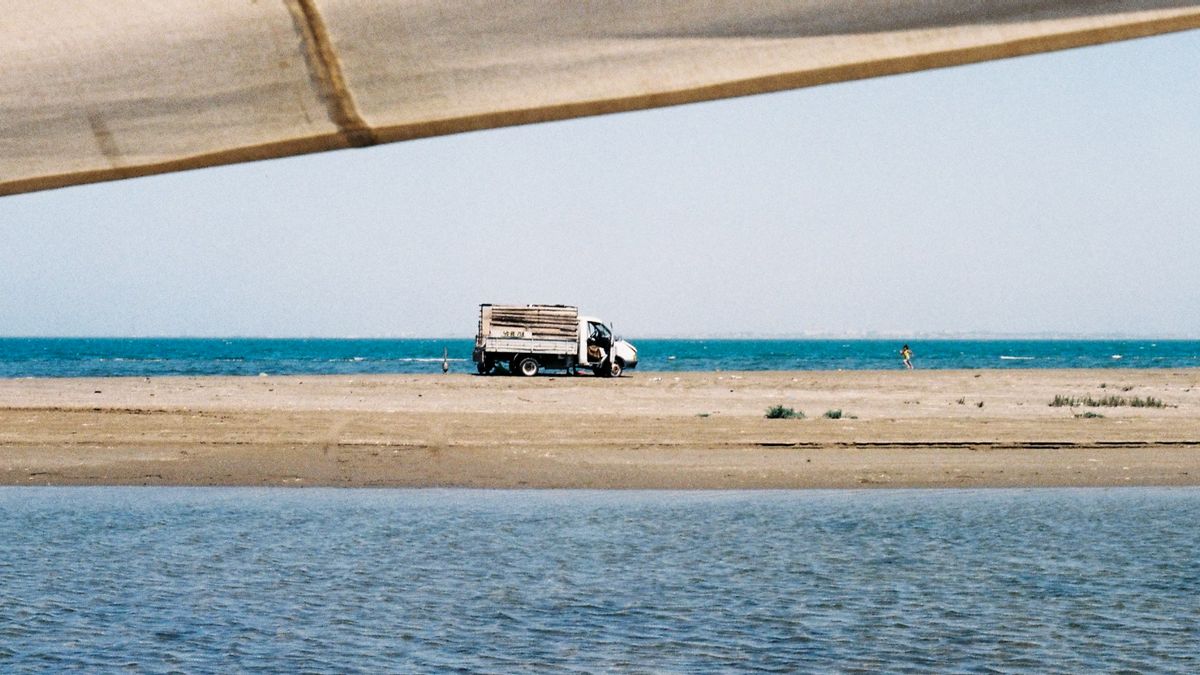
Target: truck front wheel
point(611, 369)
point(527, 366)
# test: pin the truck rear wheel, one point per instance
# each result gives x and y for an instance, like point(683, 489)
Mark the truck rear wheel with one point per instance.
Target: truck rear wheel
point(484, 367)
point(527, 366)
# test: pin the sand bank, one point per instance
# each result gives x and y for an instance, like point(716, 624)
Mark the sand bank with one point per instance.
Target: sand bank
point(649, 430)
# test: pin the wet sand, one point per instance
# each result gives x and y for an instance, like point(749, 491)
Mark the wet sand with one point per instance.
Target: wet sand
point(648, 430)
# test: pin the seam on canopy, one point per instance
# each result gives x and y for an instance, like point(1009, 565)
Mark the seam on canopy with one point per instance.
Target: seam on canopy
point(325, 70)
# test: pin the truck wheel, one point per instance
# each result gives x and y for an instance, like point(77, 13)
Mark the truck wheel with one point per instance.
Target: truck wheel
point(527, 366)
point(616, 368)
point(484, 367)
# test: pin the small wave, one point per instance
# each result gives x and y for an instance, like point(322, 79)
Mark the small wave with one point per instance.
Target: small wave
point(1117, 356)
point(407, 359)
point(1017, 358)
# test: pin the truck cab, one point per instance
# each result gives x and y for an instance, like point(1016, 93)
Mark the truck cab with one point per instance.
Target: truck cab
point(600, 349)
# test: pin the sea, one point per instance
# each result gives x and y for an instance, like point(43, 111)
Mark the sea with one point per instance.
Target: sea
point(105, 357)
point(212, 580)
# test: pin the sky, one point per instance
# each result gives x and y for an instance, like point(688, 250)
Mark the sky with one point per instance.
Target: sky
point(1056, 194)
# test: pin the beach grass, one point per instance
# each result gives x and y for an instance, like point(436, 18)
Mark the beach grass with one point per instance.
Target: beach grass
point(1109, 401)
point(779, 412)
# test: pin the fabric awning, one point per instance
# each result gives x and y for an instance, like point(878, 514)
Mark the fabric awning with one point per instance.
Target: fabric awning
point(94, 91)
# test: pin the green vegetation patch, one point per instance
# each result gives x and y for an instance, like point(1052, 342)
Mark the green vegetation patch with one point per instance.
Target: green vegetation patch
point(1109, 401)
point(779, 412)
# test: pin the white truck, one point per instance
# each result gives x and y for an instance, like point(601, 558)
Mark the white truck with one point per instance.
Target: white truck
point(524, 339)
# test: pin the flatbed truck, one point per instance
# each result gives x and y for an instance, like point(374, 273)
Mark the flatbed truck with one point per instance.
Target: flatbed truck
point(526, 339)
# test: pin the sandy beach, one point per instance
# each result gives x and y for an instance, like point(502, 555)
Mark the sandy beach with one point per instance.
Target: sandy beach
point(648, 430)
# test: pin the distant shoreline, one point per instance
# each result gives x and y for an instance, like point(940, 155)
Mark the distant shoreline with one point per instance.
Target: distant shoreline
point(691, 430)
point(631, 375)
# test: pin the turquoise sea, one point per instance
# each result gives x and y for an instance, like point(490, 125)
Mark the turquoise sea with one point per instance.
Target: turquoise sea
point(91, 357)
point(202, 580)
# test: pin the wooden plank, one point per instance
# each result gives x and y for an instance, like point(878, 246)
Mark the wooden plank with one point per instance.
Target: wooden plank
point(540, 322)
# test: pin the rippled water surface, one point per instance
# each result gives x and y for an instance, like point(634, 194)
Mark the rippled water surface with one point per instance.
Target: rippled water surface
point(424, 580)
point(144, 357)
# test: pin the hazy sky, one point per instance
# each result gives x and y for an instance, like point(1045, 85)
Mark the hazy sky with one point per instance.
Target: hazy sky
point(1053, 193)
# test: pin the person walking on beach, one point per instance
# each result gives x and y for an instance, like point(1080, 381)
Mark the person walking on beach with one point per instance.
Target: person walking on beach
point(906, 354)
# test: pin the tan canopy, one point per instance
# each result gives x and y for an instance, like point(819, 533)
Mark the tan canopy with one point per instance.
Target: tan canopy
point(93, 91)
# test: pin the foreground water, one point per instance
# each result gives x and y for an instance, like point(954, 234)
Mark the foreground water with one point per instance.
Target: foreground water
point(223, 580)
point(101, 357)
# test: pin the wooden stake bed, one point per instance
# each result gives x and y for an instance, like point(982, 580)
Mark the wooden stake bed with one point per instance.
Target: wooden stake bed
point(533, 329)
